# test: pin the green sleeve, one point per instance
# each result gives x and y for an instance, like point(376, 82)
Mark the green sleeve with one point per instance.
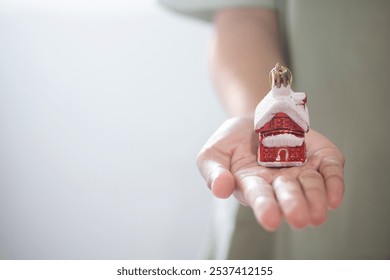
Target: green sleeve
point(205, 9)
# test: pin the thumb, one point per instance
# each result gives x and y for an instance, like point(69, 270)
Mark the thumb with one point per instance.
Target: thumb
point(214, 168)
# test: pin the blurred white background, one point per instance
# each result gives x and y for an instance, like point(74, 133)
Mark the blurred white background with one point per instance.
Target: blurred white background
point(103, 108)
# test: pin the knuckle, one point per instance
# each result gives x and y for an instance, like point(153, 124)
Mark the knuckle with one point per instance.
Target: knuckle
point(330, 162)
point(244, 174)
point(334, 176)
point(206, 153)
point(282, 179)
point(333, 161)
point(310, 174)
point(241, 175)
point(330, 165)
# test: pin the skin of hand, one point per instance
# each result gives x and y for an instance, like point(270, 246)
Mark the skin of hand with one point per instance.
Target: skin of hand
point(301, 194)
point(244, 49)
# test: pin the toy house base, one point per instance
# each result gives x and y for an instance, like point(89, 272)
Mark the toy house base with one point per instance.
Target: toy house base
point(280, 163)
point(281, 156)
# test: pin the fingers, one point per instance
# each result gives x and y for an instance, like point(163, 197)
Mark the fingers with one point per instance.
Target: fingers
point(332, 169)
point(313, 187)
point(214, 169)
point(292, 201)
point(259, 195)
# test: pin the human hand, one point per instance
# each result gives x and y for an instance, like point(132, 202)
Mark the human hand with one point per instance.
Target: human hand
point(301, 194)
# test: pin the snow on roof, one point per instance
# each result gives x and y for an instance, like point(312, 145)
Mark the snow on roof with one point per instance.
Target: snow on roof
point(282, 100)
point(283, 140)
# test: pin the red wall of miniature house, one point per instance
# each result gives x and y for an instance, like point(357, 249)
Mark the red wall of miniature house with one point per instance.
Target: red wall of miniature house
point(280, 124)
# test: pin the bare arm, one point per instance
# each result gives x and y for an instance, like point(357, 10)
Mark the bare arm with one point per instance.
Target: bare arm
point(243, 51)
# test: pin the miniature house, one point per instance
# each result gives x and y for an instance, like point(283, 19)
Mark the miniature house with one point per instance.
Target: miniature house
point(281, 121)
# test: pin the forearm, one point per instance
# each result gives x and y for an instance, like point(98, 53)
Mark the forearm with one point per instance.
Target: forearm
point(244, 49)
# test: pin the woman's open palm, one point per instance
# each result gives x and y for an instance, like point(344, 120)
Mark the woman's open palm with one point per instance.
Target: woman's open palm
point(300, 194)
